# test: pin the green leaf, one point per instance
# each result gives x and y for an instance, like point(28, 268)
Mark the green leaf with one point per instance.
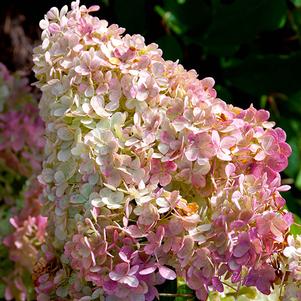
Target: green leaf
point(105, 2)
point(293, 105)
point(296, 21)
point(131, 15)
point(27, 280)
point(241, 21)
point(6, 265)
point(168, 287)
point(185, 291)
point(193, 16)
point(295, 229)
point(170, 19)
point(2, 290)
point(263, 75)
point(296, 2)
point(171, 48)
point(298, 180)
point(86, 190)
point(223, 93)
point(78, 199)
point(293, 203)
point(294, 160)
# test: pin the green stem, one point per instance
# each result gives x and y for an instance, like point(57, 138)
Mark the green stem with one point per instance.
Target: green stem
point(175, 295)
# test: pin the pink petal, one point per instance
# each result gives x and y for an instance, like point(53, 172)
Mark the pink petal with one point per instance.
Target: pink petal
point(263, 286)
point(167, 273)
point(222, 155)
point(267, 143)
point(241, 249)
point(187, 247)
point(285, 149)
point(284, 188)
point(228, 142)
point(134, 270)
point(217, 284)
point(115, 276)
point(8, 294)
point(192, 153)
point(160, 233)
point(148, 270)
point(131, 281)
point(230, 169)
point(280, 134)
point(165, 179)
point(123, 257)
point(262, 115)
point(260, 156)
point(121, 269)
point(198, 180)
point(215, 138)
point(155, 165)
point(170, 166)
point(277, 163)
point(233, 265)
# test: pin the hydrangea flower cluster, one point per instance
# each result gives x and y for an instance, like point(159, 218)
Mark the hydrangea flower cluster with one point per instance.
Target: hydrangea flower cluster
point(21, 128)
point(149, 175)
point(21, 152)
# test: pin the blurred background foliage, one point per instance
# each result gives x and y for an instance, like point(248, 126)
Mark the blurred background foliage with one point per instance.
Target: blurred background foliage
point(251, 47)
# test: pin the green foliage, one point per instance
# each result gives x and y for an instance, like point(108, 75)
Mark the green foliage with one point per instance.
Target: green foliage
point(176, 290)
point(296, 227)
point(172, 48)
point(240, 22)
point(6, 266)
point(297, 2)
point(169, 287)
point(134, 19)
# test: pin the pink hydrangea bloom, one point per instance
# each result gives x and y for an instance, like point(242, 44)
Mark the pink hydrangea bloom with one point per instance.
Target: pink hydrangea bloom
point(151, 176)
point(21, 151)
point(161, 172)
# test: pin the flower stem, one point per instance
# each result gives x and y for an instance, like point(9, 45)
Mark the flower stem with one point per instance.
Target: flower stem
point(175, 295)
